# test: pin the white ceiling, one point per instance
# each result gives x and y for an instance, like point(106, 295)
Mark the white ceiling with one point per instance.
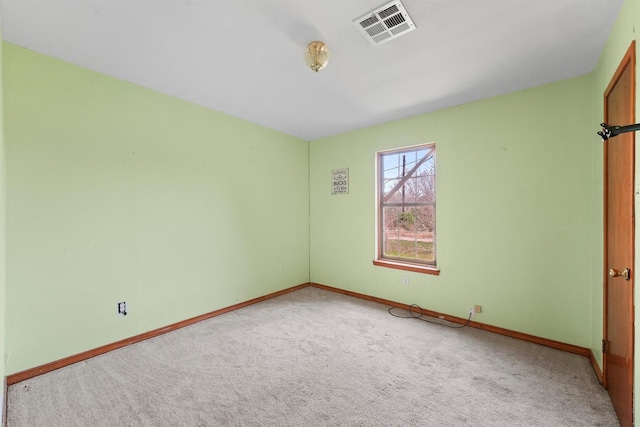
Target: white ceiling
point(245, 57)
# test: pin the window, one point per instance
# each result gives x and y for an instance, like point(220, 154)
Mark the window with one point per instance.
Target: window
point(407, 209)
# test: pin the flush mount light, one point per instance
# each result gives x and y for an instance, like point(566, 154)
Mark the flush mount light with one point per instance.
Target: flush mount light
point(317, 56)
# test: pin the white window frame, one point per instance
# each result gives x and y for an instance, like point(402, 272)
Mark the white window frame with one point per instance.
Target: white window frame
point(409, 264)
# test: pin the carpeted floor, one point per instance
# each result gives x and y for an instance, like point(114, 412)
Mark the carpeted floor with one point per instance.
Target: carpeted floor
point(317, 358)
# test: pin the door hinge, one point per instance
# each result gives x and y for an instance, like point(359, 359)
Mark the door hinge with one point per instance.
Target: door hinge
point(604, 346)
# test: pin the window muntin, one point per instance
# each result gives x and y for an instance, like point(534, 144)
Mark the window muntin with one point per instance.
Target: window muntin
point(406, 202)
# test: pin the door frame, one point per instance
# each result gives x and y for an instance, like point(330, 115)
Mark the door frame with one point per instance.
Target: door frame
point(629, 60)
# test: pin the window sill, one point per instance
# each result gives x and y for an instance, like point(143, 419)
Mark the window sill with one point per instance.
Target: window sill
point(416, 268)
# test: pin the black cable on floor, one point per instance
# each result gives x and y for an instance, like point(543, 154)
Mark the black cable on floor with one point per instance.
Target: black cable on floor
point(415, 315)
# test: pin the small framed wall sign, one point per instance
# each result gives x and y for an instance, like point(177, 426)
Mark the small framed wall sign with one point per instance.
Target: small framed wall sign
point(340, 181)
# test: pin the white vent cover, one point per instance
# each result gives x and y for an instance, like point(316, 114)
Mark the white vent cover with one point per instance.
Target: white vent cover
point(385, 23)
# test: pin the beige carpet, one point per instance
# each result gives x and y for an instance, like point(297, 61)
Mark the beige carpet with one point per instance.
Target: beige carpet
point(317, 358)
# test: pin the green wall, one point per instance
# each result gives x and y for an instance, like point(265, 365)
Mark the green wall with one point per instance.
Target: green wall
point(514, 193)
point(2, 233)
point(118, 193)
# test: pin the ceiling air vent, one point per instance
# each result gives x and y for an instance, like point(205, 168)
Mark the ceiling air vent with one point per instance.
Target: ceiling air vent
point(385, 23)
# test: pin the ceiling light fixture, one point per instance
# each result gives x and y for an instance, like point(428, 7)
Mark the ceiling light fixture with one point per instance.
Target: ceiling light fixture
point(317, 56)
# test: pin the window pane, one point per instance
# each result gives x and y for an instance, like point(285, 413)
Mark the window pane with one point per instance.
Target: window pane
point(410, 234)
point(407, 203)
point(425, 222)
point(425, 189)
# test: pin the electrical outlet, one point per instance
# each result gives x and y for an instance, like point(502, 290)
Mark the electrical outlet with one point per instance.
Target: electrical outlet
point(122, 308)
point(477, 309)
point(472, 314)
point(405, 281)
